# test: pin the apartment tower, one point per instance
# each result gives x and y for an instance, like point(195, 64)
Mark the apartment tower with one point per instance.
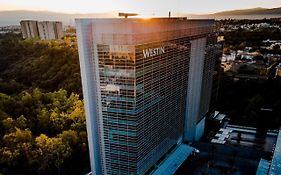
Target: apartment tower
point(46, 30)
point(50, 30)
point(29, 29)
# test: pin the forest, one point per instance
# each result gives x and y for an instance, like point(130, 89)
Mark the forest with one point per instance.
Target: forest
point(42, 120)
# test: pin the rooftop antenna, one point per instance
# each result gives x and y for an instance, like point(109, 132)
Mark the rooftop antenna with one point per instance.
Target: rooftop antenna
point(127, 14)
point(153, 13)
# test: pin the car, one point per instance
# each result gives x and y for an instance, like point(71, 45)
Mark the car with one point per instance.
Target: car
point(195, 151)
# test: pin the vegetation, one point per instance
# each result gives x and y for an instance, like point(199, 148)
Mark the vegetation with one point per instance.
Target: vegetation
point(238, 39)
point(241, 38)
point(244, 101)
point(271, 21)
point(29, 64)
point(42, 121)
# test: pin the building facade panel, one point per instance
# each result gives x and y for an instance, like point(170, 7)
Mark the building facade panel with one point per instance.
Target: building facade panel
point(90, 92)
point(194, 89)
point(161, 71)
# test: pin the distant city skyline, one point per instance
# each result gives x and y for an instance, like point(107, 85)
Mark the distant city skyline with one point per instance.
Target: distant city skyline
point(144, 7)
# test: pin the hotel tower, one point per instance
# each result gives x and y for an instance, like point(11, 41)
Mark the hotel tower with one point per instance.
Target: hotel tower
point(147, 86)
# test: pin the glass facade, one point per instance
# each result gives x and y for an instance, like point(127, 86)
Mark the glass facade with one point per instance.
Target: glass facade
point(160, 99)
point(139, 71)
point(118, 96)
point(143, 102)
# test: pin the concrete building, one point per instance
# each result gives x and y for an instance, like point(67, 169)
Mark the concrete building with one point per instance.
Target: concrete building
point(43, 30)
point(147, 86)
point(29, 29)
point(50, 30)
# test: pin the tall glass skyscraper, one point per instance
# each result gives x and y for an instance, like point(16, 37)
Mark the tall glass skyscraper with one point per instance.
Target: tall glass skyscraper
point(146, 86)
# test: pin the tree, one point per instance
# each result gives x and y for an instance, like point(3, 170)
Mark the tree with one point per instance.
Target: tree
point(69, 137)
point(51, 151)
point(226, 50)
point(21, 122)
point(258, 58)
point(43, 118)
point(276, 47)
point(7, 104)
point(17, 145)
point(36, 108)
point(242, 46)
point(8, 123)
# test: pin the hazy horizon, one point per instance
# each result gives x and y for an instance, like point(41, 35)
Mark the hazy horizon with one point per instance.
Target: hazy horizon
point(144, 7)
point(116, 11)
point(12, 17)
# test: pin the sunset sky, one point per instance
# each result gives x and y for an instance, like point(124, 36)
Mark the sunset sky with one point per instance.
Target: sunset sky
point(146, 7)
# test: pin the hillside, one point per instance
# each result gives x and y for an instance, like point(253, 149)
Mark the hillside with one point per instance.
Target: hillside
point(14, 17)
point(253, 11)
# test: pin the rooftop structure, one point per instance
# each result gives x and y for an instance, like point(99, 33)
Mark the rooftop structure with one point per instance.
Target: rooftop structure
point(170, 165)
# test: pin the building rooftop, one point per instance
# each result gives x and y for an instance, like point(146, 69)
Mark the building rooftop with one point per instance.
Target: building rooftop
point(145, 19)
point(218, 116)
point(134, 31)
point(170, 165)
point(218, 141)
point(275, 167)
point(263, 167)
point(28, 20)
